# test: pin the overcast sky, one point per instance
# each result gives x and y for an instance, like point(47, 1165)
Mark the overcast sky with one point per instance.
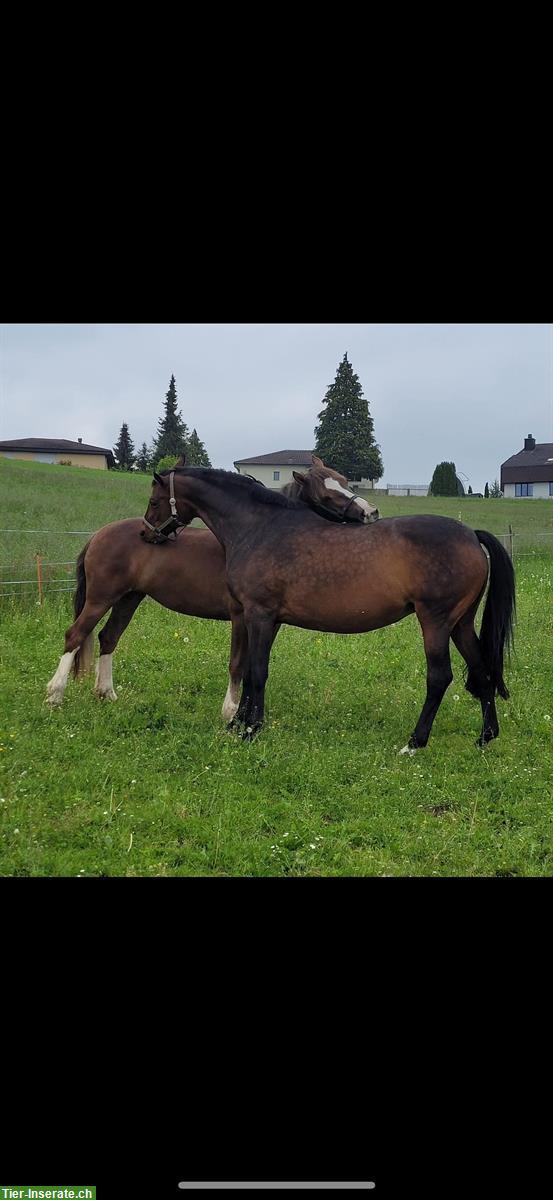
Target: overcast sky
point(466, 393)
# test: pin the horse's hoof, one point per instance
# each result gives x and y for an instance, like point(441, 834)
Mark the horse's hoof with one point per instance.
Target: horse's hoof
point(54, 695)
point(250, 732)
point(107, 695)
point(407, 750)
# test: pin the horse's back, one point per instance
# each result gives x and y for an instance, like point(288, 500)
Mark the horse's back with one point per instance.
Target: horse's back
point(186, 574)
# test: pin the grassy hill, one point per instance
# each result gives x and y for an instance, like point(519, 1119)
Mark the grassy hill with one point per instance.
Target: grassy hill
point(59, 500)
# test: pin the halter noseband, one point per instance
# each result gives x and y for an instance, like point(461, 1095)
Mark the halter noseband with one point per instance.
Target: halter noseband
point(328, 514)
point(170, 526)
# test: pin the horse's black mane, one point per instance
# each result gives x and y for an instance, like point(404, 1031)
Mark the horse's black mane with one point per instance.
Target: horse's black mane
point(261, 493)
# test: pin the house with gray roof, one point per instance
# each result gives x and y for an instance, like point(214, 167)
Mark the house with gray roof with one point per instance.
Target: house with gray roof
point(528, 474)
point(274, 470)
point(58, 450)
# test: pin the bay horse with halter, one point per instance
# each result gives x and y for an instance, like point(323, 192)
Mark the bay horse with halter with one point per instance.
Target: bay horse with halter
point(117, 569)
point(284, 565)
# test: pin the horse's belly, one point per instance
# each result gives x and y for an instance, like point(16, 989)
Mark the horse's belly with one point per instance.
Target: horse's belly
point(346, 616)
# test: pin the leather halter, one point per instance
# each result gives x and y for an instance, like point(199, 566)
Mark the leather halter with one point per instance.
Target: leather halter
point(170, 526)
point(329, 514)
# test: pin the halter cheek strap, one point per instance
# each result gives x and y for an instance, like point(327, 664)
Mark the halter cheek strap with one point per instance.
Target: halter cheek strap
point(328, 514)
point(170, 526)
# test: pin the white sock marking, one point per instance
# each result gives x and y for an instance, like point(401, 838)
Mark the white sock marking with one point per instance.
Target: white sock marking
point(231, 701)
point(104, 678)
point(55, 688)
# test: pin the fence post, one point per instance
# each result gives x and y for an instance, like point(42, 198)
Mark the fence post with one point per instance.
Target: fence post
point(511, 538)
point(39, 576)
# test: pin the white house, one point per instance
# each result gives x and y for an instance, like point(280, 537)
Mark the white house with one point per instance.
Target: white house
point(528, 474)
point(275, 470)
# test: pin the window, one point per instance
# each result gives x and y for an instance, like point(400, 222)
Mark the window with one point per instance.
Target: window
point(524, 489)
point(551, 489)
point(276, 474)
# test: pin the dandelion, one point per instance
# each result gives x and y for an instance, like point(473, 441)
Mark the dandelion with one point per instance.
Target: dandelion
point(546, 717)
point(16, 830)
point(456, 697)
point(186, 639)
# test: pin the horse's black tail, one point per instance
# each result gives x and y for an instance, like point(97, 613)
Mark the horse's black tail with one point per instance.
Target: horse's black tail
point(497, 630)
point(84, 657)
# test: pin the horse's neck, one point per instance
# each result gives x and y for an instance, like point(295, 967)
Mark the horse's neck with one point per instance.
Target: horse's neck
point(225, 513)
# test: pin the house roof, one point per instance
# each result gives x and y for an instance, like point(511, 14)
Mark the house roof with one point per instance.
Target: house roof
point(529, 466)
point(54, 446)
point(282, 458)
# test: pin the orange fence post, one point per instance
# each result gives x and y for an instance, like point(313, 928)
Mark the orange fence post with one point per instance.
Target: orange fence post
point(39, 577)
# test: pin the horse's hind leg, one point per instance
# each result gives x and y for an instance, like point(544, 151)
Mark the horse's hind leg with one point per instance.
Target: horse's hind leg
point(238, 666)
point(75, 638)
point(438, 675)
point(478, 681)
point(121, 614)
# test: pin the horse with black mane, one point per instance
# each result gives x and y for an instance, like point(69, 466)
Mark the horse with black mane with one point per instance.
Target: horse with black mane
point(117, 569)
point(285, 565)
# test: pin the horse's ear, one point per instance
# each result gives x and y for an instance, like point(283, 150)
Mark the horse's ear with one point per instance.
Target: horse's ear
point(181, 462)
point(317, 462)
point(299, 478)
point(158, 479)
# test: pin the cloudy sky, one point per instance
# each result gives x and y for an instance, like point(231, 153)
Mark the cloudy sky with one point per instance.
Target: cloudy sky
point(467, 393)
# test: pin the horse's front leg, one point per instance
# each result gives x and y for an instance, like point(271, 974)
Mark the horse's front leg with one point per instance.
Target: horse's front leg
point(238, 668)
point(261, 630)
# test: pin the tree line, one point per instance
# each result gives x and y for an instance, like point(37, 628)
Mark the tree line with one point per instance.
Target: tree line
point(172, 438)
point(344, 438)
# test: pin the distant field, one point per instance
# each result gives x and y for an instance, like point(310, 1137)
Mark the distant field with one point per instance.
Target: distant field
point(154, 785)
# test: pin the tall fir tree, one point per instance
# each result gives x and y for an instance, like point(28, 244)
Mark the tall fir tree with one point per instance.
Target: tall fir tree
point(444, 480)
point(344, 433)
point(196, 453)
point(486, 492)
point(172, 433)
point(143, 460)
point(124, 450)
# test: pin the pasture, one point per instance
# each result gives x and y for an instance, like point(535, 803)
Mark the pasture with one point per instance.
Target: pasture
point(153, 785)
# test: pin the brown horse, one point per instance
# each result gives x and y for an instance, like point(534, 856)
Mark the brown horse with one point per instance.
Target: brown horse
point(285, 566)
point(117, 569)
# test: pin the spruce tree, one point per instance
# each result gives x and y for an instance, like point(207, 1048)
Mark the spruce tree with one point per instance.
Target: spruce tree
point(143, 459)
point(344, 433)
point(124, 450)
point(444, 480)
point(172, 433)
point(495, 491)
point(196, 453)
point(486, 492)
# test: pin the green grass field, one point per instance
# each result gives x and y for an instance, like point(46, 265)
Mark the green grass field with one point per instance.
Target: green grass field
point(154, 785)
